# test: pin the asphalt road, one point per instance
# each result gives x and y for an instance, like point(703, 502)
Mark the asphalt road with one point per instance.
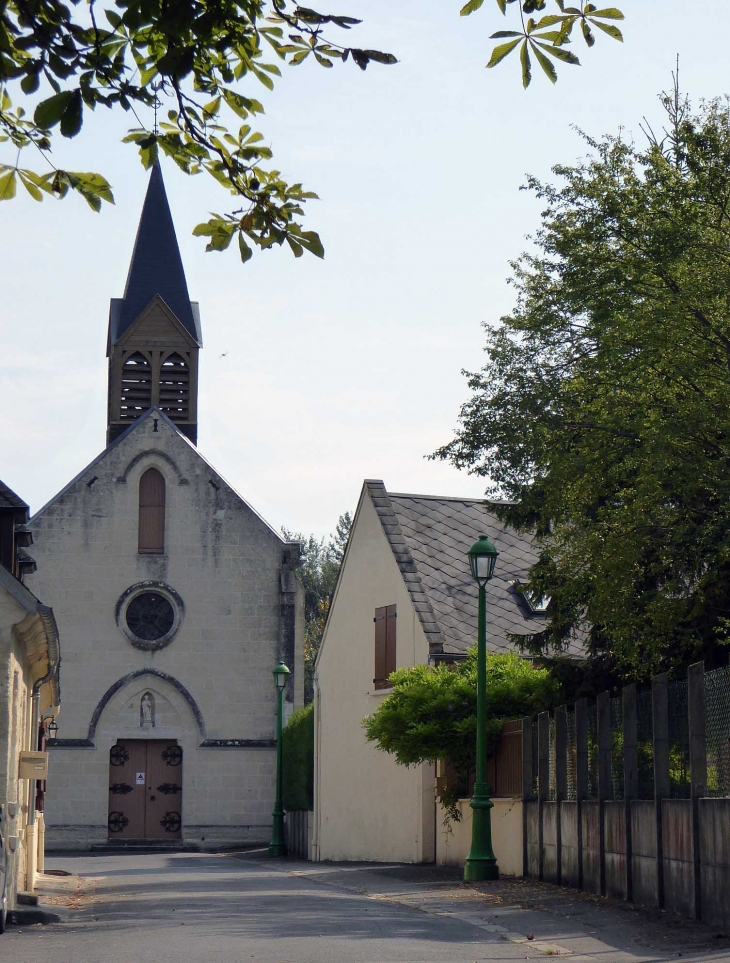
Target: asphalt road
point(196, 908)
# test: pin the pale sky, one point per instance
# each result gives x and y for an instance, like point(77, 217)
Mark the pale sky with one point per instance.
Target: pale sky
point(317, 374)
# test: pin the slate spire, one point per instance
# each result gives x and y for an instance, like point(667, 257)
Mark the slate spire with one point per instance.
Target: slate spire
point(156, 266)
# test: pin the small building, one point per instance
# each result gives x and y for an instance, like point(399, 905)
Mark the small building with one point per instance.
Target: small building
point(29, 694)
point(405, 596)
point(176, 598)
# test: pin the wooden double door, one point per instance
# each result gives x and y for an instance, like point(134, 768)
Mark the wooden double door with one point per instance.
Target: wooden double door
point(145, 789)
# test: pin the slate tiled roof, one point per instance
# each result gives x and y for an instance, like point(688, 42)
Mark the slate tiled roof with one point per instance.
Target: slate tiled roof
point(8, 499)
point(430, 538)
point(156, 267)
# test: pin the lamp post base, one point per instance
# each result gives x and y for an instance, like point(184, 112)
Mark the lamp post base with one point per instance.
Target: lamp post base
point(480, 869)
point(481, 863)
point(277, 846)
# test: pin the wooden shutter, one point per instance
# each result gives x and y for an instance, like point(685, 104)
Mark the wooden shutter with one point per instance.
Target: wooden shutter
point(152, 513)
point(390, 622)
point(380, 623)
point(384, 645)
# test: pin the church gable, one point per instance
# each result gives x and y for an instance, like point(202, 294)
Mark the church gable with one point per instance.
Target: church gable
point(108, 494)
point(156, 327)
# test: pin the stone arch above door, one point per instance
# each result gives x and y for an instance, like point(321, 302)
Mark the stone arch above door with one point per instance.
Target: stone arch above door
point(161, 685)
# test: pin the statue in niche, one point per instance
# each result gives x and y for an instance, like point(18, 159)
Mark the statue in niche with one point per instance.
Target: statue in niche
point(147, 711)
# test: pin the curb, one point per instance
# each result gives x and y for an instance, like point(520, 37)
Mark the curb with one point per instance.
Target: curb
point(31, 916)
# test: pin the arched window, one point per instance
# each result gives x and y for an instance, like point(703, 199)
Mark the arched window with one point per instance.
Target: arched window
point(175, 388)
point(136, 395)
point(151, 513)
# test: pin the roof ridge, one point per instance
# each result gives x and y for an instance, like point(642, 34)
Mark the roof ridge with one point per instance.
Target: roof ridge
point(453, 498)
point(13, 500)
point(404, 560)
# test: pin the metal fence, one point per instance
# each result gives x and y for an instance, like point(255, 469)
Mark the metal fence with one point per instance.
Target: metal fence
point(717, 721)
point(715, 696)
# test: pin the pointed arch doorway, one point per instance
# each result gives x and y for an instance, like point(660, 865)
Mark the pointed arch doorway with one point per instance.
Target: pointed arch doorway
point(145, 790)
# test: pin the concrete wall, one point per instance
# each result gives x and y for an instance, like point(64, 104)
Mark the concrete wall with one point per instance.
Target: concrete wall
point(225, 565)
point(643, 852)
point(678, 863)
point(366, 806)
point(715, 860)
point(15, 686)
point(454, 840)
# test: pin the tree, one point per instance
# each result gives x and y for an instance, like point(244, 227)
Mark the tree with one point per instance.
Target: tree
point(431, 712)
point(59, 62)
point(602, 411)
point(197, 53)
point(547, 38)
point(297, 760)
point(318, 575)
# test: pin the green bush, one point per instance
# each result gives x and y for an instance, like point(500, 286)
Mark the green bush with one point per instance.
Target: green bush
point(297, 749)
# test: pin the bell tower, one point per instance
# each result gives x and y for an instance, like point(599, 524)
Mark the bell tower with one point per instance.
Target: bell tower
point(154, 330)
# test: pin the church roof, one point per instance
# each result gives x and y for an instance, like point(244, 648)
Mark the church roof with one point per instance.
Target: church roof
point(156, 267)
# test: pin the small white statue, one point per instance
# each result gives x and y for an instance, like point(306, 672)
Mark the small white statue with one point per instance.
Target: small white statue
point(147, 712)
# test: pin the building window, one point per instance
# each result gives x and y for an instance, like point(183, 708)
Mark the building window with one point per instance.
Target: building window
point(136, 395)
point(175, 388)
point(151, 513)
point(150, 616)
point(384, 645)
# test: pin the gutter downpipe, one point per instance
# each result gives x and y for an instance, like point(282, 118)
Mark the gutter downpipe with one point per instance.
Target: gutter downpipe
point(54, 660)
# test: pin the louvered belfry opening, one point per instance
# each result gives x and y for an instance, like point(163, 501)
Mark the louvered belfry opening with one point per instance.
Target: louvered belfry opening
point(175, 388)
point(151, 513)
point(136, 390)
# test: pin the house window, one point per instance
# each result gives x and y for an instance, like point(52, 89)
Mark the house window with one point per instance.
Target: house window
point(384, 645)
point(151, 513)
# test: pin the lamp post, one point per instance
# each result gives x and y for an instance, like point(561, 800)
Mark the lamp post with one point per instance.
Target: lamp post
point(277, 846)
point(481, 862)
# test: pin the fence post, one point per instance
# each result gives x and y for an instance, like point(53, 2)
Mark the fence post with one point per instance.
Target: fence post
point(603, 720)
point(543, 781)
point(581, 774)
point(527, 784)
point(660, 738)
point(631, 776)
point(697, 769)
point(561, 782)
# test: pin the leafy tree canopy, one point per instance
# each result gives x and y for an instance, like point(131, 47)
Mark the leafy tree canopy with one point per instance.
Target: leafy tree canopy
point(431, 712)
point(602, 410)
point(59, 63)
point(297, 760)
point(318, 575)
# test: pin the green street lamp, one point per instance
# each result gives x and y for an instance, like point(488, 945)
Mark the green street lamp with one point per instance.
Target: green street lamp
point(481, 862)
point(277, 846)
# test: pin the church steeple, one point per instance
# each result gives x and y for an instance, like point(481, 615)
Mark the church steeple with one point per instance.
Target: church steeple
point(154, 330)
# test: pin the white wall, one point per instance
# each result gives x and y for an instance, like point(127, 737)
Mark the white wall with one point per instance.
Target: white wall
point(366, 806)
point(454, 840)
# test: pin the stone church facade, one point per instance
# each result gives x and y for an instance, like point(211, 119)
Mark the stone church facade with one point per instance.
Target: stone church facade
point(175, 599)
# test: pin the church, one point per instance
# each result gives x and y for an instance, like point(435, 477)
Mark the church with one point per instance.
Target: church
point(174, 597)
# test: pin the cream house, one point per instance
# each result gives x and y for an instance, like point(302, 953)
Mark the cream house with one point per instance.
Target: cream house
point(405, 596)
point(29, 690)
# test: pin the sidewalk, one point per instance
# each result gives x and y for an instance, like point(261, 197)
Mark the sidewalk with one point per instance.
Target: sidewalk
point(547, 920)
point(57, 895)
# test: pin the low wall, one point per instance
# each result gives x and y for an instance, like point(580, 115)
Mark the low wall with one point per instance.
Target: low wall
point(453, 842)
point(610, 860)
